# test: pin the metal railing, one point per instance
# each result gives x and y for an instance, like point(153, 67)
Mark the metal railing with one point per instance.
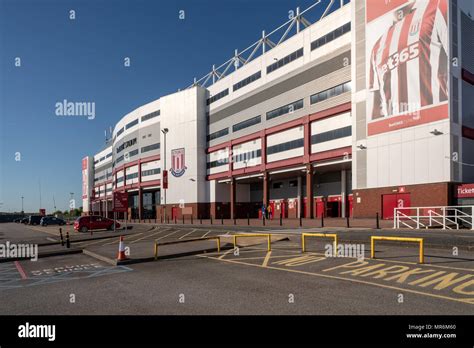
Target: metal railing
point(446, 217)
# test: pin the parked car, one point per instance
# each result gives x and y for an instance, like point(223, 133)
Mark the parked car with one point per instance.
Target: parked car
point(34, 219)
point(25, 220)
point(51, 220)
point(17, 220)
point(94, 222)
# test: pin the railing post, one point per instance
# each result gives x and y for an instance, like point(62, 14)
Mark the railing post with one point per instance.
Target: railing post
point(395, 218)
point(456, 218)
point(429, 213)
point(417, 218)
point(472, 217)
point(444, 218)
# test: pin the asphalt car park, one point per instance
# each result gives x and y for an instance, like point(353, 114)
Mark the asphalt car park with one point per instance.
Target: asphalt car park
point(247, 280)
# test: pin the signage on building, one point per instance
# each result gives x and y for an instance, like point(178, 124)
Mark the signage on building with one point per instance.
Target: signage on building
point(465, 191)
point(42, 212)
point(164, 184)
point(120, 202)
point(407, 70)
point(178, 166)
point(85, 177)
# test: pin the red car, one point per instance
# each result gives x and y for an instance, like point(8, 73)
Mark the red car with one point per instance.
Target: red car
point(94, 222)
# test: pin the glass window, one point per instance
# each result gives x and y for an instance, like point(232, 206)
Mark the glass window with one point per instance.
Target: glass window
point(131, 124)
point(247, 123)
point(218, 134)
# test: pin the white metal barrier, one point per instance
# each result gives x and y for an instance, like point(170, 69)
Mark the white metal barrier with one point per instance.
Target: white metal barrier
point(446, 217)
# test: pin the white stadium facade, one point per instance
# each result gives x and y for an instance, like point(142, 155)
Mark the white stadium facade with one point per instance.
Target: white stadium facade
point(368, 108)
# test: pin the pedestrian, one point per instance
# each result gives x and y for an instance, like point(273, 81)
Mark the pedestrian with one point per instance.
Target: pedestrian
point(270, 212)
point(263, 211)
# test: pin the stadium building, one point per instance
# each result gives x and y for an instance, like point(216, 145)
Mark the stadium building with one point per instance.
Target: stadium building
point(367, 108)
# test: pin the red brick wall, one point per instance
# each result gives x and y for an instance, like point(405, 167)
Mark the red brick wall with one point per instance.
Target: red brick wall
point(437, 194)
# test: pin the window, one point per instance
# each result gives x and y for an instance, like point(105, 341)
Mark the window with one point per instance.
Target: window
point(247, 156)
point(285, 60)
point(218, 134)
point(151, 147)
point(151, 172)
point(131, 124)
point(277, 185)
point(331, 92)
point(247, 80)
point(293, 183)
point(132, 176)
point(119, 159)
point(331, 36)
point(217, 163)
point(149, 116)
point(120, 179)
point(247, 123)
point(285, 109)
point(133, 153)
point(120, 131)
point(218, 96)
point(331, 135)
point(108, 155)
point(289, 145)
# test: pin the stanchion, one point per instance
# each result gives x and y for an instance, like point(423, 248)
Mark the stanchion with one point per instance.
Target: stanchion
point(322, 220)
point(377, 221)
point(211, 219)
point(347, 222)
point(61, 236)
point(301, 221)
point(68, 242)
point(281, 220)
point(248, 219)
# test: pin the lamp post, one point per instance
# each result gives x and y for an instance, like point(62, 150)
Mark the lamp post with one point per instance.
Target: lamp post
point(22, 211)
point(164, 131)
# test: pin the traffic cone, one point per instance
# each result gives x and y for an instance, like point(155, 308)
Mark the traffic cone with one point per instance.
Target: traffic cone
point(121, 252)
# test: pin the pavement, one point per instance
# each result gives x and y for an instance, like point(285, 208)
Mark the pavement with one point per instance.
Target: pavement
point(193, 278)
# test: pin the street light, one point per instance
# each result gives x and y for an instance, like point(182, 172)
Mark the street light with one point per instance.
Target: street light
point(22, 211)
point(164, 131)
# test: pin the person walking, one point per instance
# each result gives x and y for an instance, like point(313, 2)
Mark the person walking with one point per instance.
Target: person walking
point(270, 212)
point(263, 212)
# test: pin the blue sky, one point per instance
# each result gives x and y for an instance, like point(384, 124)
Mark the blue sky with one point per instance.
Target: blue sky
point(82, 60)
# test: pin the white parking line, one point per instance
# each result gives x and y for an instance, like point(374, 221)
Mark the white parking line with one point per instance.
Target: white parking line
point(205, 234)
point(149, 235)
point(167, 235)
point(184, 235)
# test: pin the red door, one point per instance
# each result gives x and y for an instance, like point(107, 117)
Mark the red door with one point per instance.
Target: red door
point(392, 201)
point(174, 213)
point(319, 207)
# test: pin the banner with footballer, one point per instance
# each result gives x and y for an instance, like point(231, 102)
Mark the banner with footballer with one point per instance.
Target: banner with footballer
point(407, 63)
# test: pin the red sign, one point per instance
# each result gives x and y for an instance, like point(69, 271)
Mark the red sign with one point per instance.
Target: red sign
point(401, 189)
point(465, 191)
point(120, 202)
point(165, 179)
point(42, 212)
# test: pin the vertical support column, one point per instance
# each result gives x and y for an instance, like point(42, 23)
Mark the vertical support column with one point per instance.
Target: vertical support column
point(232, 198)
point(106, 203)
point(140, 203)
point(309, 192)
point(266, 193)
point(343, 192)
point(298, 199)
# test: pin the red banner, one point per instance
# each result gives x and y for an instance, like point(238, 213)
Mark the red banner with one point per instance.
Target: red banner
point(120, 202)
point(465, 191)
point(164, 184)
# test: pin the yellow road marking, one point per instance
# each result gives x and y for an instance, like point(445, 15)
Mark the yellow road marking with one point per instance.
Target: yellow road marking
point(267, 258)
point(470, 301)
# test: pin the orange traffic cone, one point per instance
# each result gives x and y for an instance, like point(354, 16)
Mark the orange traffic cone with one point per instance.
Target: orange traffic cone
point(121, 253)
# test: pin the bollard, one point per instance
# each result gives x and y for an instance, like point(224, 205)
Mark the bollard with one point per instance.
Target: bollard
point(301, 222)
point(183, 219)
point(377, 221)
point(263, 221)
point(281, 221)
point(61, 236)
point(161, 219)
point(322, 220)
point(200, 219)
point(248, 219)
point(68, 242)
point(347, 222)
point(175, 222)
point(211, 219)
point(222, 220)
point(234, 221)
point(191, 219)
